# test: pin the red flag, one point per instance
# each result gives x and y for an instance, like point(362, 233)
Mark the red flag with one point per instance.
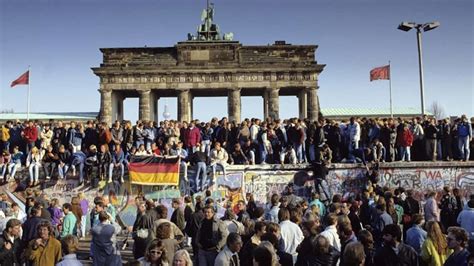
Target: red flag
point(22, 80)
point(380, 73)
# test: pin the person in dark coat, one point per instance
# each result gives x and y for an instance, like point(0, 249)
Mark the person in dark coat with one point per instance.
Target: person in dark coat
point(311, 229)
point(386, 255)
point(91, 136)
point(10, 243)
point(142, 230)
point(322, 254)
point(30, 225)
point(103, 248)
point(105, 158)
point(178, 214)
point(192, 227)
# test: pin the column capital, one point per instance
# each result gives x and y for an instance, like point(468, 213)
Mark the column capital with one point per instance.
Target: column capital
point(147, 91)
point(104, 91)
point(275, 88)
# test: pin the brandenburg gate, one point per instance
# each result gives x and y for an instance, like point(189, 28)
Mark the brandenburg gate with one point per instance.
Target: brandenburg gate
point(208, 65)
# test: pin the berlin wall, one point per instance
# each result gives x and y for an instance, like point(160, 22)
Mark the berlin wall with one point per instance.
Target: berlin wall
point(264, 180)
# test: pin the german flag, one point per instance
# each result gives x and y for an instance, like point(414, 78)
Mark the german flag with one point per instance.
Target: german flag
point(154, 170)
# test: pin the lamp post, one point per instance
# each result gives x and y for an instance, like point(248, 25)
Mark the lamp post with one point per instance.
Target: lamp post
point(406, 26)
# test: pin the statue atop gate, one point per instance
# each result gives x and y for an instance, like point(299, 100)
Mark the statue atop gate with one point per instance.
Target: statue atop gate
point(208, 31)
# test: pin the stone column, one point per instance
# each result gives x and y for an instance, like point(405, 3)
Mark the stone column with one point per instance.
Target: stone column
point(106, 106)
point(144, 105)
point(184, 108)
point(234, 104)
point(302, 104)
point(154, 106)
point(265, 104)
point(117, 106)
point(191, 106)
point(273, 103)
point(313, 104)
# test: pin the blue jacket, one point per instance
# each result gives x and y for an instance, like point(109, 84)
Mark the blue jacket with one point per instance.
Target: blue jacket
point(76, 137)
point(16, 158)
point(118, 157)
point(464, 129)
point(466, 221)
point(459, 259)
point(415, 237)
point(149, 133)
point(15, 134)
point(206, 134)
point(78, 158)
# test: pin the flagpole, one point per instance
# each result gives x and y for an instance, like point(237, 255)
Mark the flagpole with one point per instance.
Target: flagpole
point(28, 98)
point(390, 87)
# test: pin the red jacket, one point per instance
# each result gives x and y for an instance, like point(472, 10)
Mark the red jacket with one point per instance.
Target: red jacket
point(30, 134)
point(407, 138)
point(192, 137)
point(105, 137)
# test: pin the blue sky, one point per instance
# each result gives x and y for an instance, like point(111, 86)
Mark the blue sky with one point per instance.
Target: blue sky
point(61, 41)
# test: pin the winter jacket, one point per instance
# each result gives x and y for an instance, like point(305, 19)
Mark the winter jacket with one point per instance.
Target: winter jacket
point(219, 156)
point(9, 256)
point(431, 132)
point(76, 137)
point(118, 157)
point(417, 131)
point(406, 139)
point(466, 221)
point(69, 225)
point(387, 256)
point(217, 236)
point(44, 255)
point(30, 134)
point(5, 134)
point(354, 131)
point(59, 136)
point(46, 138)
point(192, 136)
point(430, 255)
point(105, 158)
point(206, 133)
point(105, 137)
point(149, 133)
point(117, 135)
point(64, 157)
point(464, 129)
point(91, 137)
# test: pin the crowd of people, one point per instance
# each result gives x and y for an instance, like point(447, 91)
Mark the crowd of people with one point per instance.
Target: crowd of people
point(378, 226)
point(97, 151)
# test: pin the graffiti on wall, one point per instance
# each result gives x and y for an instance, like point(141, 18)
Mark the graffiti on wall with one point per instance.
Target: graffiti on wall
point(264, 184)
point(418, 179)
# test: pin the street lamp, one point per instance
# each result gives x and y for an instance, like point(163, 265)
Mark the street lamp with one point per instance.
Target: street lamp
point(406, 26)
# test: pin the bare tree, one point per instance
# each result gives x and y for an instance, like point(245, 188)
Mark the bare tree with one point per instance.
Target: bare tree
point(7, 111)
point(437, 110)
